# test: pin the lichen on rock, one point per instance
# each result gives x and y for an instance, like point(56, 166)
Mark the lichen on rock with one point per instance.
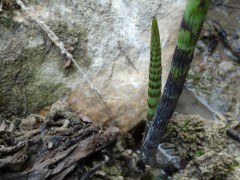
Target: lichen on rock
point(211, 165)
point(32, 70)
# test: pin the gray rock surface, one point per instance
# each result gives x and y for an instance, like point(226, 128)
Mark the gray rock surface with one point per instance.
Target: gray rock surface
point(108, 38)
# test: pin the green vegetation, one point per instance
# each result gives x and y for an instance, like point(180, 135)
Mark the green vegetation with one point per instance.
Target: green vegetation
point(8, 22)
point(190, 29)
point(195, 77)
point(155, 71)
point(199, 152)
point(185, 127)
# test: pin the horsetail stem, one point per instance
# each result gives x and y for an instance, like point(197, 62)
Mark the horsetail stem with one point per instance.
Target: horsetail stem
point(155, 71)
point(190, 29)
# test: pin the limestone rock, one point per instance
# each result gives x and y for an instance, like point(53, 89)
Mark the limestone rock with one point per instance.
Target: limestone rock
point(109, 39)
point(237, 110)
point(208, 166)
point(225, 67)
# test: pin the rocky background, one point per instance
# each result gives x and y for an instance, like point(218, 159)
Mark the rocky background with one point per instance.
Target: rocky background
point(109, 39)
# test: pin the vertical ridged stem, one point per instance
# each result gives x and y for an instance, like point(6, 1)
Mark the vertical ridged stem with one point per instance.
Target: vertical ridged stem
point(155, 71)
point(193, 18)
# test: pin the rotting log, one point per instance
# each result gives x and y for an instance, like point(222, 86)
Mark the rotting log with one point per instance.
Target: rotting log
point(52, 146)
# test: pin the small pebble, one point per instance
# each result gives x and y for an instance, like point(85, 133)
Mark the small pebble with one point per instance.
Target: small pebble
point(237, 111)
point(225, 67)
point(129, 151)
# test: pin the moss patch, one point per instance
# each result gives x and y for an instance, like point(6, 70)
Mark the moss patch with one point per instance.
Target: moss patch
point(22, 91)
point(24, 88)
point(8, 23)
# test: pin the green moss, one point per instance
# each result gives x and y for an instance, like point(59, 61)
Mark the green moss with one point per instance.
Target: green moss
point(209, 78)
point(195, 77)
point(199, 152)
point(8, 22)
point(231, 167)
point(22, 90)
point(111, 170)
point(196, 102)
point(185, 126)
point(149, 176)
point(25, 85)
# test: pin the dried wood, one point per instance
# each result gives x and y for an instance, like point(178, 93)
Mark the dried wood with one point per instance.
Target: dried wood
point(53, 148)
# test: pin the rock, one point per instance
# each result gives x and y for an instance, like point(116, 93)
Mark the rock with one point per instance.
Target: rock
point(30, 122)
point(208, 166)
point(219, 102)
point(237, 110)
point(110, 42)
point(215, 101)
point(6, 126)
point(225, 67)
point(128, 151)
point(231, 55)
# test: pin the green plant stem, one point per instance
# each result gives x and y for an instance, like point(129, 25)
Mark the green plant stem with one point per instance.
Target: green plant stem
point(193, 18)
point(155, 71)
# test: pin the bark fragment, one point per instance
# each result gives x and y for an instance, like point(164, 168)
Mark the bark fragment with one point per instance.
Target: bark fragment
point(53, 148)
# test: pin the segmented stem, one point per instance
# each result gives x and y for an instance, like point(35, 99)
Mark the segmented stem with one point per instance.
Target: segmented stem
point(193, 18)
point(155, 71)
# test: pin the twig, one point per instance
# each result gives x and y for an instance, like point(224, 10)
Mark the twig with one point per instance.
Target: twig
point(1, 4)
point(233, 134)
point(223, 35)
point(126, 56)
point(53, 37)
point(226, 5)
